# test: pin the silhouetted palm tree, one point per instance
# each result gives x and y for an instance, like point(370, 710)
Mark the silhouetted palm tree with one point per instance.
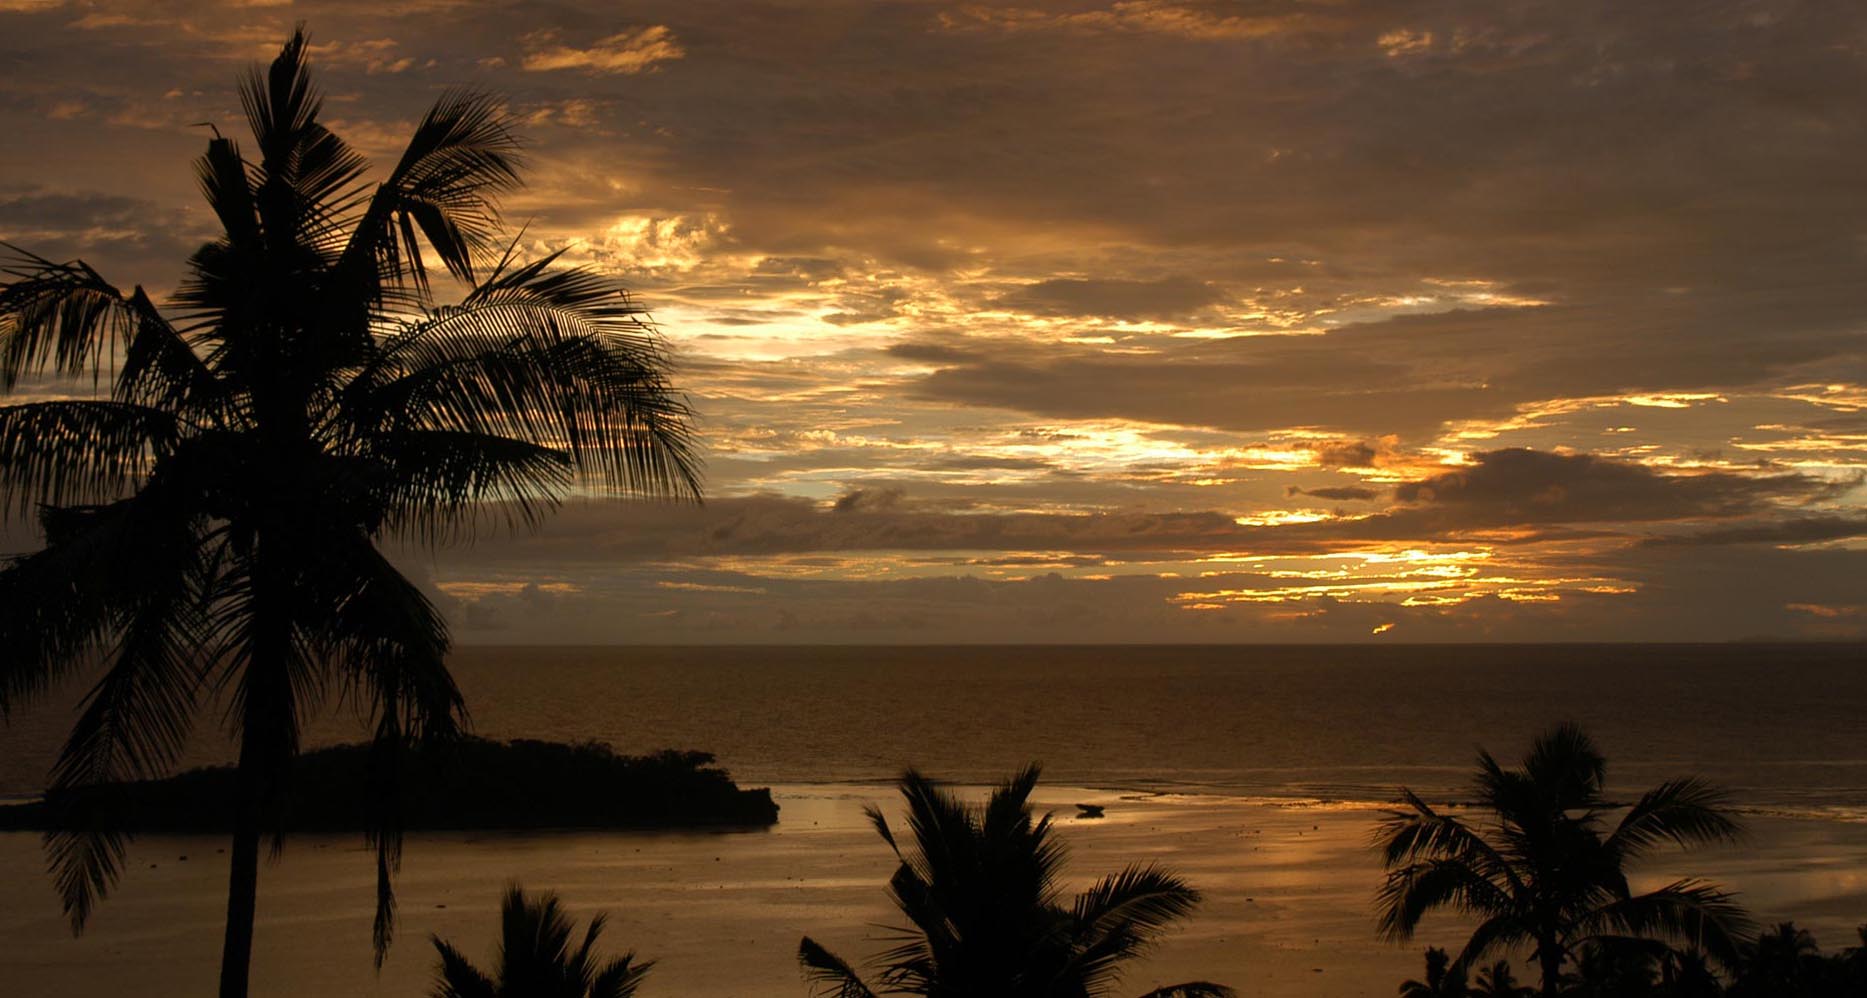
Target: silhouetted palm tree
point(1780, 963)
point(536, 959)
point(1497, 981)
point(212, 525)
point(1688, 974)
point(1546, 869)
point(978, 887)
point(1615, 968)
point(1442, 981)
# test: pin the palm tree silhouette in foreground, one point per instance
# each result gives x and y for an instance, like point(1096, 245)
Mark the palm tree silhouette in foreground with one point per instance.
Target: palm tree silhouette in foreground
point(536, 959)
point(978, 887)
point(211, 526)
point(1545, 868)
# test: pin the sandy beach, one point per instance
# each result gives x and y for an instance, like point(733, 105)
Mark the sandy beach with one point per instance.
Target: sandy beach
point(1287, 886)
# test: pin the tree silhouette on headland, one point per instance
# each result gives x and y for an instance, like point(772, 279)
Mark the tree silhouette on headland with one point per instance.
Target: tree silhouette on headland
point(978, 887)
point(212, 525)
point(536, 959)
point(1545, 868)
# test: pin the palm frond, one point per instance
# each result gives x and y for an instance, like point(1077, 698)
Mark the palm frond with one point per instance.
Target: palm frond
point(1689, 911)
point(829, 975)
point(389, 644)
point(1140, 902)
point(458, 978)
point(85, 849)
point(227, 188)
point(1192, 989)
point(1412, 890)
point(440, 484)
point(58, 317)
point(1565, 762)
point(76, 451)
point(162, 370)
point(1500, 931)
point(1686, 812)
point(542, 374)
point(64, 602)
point(620, 977)
point(1119, 917)
point(137, 717)
point(461, 159)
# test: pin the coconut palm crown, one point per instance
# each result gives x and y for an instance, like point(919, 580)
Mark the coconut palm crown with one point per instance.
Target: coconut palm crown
point(212, 509)
point(986, 917)
point(537, 958)
point(1546, 868)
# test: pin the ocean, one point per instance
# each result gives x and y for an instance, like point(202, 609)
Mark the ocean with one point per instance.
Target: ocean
point(1784, 727)
point(1256, 771)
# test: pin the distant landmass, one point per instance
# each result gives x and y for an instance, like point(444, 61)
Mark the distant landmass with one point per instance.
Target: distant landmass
point(471, 783)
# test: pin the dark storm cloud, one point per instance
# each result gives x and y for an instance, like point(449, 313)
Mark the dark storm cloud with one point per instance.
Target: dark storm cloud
point(1170, 298)
point(1524, 486)
point(1410, 375)
point(1339, 492)
point(1808, 530)
point(66, 225)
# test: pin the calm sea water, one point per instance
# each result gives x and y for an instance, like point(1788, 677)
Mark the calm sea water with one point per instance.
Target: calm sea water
point(1783, 727)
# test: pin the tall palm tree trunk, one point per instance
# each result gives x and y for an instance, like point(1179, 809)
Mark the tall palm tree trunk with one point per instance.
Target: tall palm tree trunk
point(243, 876)
point(1550, 957)
point(265, 740)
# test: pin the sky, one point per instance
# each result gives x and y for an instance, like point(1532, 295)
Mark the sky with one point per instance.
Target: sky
point(1134, 321)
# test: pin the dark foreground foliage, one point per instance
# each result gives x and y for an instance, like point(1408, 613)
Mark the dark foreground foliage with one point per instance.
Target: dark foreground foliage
point(1545, 866)
point(1783, 962)
point(470, 783)
point(980, 889)
point(538, 958)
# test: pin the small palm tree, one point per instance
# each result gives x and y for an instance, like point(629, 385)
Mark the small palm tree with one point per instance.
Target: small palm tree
point(1688, 974)
point(212, 526)
point(1616, 968)
point(1497, 981)
point(978, 888)
point(1785, 961)
point(1442, 981)
point(536, 959)
point(1547, 870)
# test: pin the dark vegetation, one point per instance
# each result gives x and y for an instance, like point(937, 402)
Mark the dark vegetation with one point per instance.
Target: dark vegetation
point(538, 958)
point(978, 887)
point(213, 515)
point(1783, 962)
point(468, 783)
point(1546, 867)
point(1544, 870)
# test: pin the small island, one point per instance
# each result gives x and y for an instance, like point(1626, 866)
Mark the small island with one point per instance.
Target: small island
point(469, 783)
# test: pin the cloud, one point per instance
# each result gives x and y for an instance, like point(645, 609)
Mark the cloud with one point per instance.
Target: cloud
point(1809, 530)
point(1095, 320)
point(1519, 486)
point(1193, 21)
point(1346, 454)
point(868, 501)
point(625, 53)
point(1341, 492)
point(1168, 298)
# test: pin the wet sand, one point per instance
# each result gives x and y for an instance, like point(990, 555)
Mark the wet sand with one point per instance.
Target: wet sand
point(1287, 912)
